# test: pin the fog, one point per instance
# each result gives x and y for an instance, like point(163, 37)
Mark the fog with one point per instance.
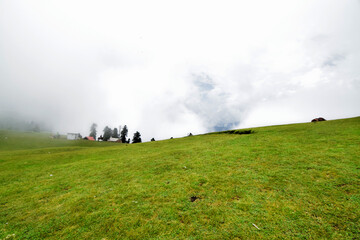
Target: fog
point(166, 69)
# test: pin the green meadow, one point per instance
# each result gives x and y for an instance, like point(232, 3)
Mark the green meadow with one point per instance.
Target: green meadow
point(298, 181)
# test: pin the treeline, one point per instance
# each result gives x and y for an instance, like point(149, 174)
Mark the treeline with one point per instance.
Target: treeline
point(13, 123)
point(120, 135)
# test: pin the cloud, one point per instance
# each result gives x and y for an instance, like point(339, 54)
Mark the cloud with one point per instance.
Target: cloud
point(332, 102)
point(212, 103)
point(333, 60)
point(167, 69)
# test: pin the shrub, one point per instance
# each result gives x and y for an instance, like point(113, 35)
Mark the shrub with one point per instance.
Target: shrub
point(238, 131)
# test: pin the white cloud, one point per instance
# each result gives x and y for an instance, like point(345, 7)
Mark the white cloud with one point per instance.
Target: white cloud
point(167, 69)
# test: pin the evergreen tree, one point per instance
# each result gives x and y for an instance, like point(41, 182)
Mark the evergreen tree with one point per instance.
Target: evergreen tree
point(153, 139)
point(115, 133)
point(124, 133)
point(136, 138)
point(93, 130)
point(107, 133)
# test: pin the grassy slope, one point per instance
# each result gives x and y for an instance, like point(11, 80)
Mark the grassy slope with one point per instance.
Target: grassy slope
point(292, 181)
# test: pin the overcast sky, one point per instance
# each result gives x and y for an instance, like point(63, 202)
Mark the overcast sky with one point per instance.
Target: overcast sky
point(167, 68)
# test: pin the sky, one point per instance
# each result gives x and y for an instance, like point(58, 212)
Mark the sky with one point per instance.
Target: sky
point(168, 68)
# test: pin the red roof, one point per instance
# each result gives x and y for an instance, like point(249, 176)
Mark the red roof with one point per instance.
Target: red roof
point(90, 138)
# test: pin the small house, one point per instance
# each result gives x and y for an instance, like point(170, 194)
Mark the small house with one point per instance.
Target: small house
point(112, 139)
point(73, 136)
point(89, 138)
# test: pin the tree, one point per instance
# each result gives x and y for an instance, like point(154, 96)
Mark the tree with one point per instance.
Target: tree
point(115, 133)
point(124, 133)
point(153, 139)
point(93, 130)
point(107, 133)
point(136, 138)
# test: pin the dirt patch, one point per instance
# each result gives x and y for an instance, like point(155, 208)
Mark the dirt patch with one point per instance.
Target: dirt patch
point(194, 198)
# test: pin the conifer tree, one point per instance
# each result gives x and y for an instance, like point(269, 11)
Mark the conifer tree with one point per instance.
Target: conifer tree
point(115, 133)
point(107, 133)
point(124, 133)
point(93, 130)
point(136, 138)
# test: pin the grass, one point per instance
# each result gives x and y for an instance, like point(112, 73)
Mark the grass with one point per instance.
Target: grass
point(299, 181)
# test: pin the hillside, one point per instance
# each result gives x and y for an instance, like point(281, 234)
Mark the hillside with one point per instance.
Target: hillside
point(285, 182)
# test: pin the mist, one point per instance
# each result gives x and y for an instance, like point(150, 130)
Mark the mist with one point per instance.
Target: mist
point(167, 69)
